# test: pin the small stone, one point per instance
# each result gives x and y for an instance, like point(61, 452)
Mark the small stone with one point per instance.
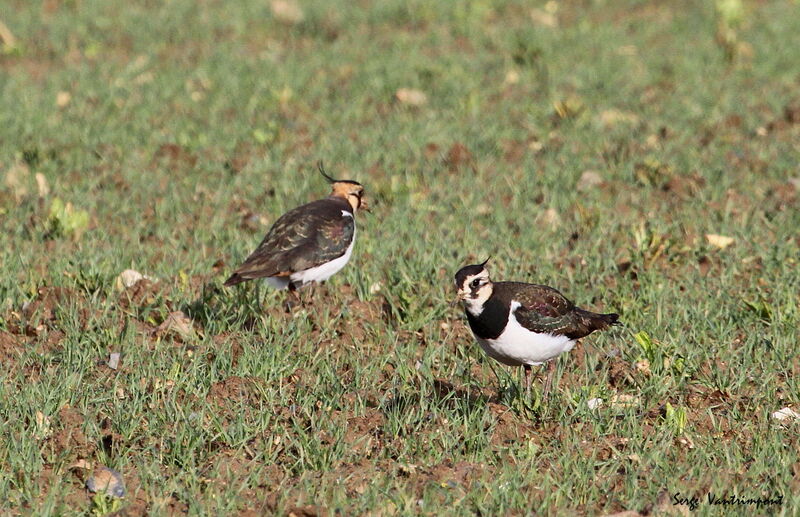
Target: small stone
point(129, 277)
point(594, 403)
point(512, 77)
point(113, 361)
point(287, 12)
point(62, 99)
point(643, 365)
point(589, 180)
point(543, 18)
point(785, 414)
point(719, 241)
point(108, 481)
point(411, 96)
point(551, 217)
point(407, 469)
point(41, 184)
point(612, 117)
point(17, 178)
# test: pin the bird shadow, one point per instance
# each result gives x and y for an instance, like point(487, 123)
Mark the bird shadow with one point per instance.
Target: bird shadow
point(445, 390)
point(242, 309)
point(444, 395)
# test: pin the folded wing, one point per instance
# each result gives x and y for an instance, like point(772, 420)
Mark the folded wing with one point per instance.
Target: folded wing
point(305, 237)
point(545, 310)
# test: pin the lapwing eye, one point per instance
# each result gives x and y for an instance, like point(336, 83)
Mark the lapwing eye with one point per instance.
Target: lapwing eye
point(476, 282)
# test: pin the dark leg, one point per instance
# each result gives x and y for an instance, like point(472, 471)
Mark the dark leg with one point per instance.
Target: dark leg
point(527, 368)
point(551, 370)
point(293, 298)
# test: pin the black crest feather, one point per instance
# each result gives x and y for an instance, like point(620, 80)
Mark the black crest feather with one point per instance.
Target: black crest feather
point(325, 175)
point(321, 168)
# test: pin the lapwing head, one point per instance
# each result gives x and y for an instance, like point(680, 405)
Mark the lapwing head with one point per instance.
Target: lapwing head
point(474, 285)
point(349, 190)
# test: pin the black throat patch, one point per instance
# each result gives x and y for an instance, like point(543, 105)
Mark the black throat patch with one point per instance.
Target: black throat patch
point(492, 321)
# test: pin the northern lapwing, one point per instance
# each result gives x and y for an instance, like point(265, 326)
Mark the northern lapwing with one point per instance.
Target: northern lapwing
point(308, 244)
point(521, 324)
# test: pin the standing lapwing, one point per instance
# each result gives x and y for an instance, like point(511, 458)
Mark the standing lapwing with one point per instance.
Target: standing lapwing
point(308, 244)
point(522, 324)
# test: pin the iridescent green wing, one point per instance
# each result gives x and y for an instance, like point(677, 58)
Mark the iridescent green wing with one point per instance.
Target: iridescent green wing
point(545, 310)
point(542, 309)
point(328, 240)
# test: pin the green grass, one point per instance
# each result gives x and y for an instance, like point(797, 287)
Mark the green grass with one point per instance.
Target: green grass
point(186, 118)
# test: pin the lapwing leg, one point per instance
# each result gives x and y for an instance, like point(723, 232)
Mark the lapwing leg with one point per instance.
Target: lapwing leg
point(551, 370)
point(527, 368)
point(293, 298)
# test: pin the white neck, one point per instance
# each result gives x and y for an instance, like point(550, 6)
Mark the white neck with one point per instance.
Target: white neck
point(474, 306)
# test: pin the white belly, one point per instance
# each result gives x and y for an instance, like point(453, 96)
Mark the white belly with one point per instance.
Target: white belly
point(278, 282)
point(315, 274)
point(517, 345)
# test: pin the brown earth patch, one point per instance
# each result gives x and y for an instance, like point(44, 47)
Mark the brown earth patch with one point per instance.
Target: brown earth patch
point(242, 154)
point(175, 156)
point(227, 468)
point(75, 498)
point(70, 437)
point(234, 388)
point(620, 373)
point(510, 428)
point(782, 196)
point(684, 186)
point(790, 117)
point(458, 156)
point(357, 477)
point(365, 433)
point(11, 346)
point(460, 472)
point(44, 308)
point(364, 312)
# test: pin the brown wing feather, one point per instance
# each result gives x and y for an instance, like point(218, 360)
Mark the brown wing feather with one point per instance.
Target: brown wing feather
point(302, 238)
point(545, 310)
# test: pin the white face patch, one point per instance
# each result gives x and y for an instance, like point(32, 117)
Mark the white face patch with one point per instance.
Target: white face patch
point(475, 291)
